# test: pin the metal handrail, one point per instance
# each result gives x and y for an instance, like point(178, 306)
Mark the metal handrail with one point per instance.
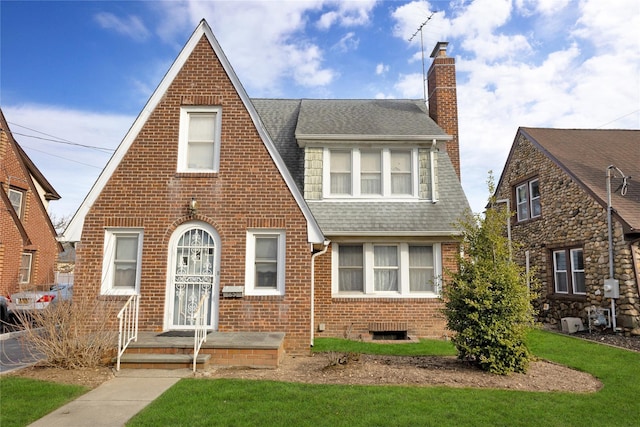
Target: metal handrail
point(200, 322)
point(128, 325)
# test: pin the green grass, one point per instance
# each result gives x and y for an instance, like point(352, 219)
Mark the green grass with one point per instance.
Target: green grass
point(23, 400)
point(198, 402)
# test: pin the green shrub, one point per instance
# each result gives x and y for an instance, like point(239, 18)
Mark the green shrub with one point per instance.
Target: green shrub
point(488, 302)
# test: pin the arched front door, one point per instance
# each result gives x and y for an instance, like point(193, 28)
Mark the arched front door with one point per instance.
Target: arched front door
point(193, 273)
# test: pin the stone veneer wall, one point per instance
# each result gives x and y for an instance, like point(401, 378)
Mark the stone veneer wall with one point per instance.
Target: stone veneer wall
point(570, 218)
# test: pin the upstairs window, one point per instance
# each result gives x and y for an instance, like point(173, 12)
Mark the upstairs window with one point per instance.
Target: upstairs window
point(370, 173)
point(568, 271)
point(199, 145)
point(528, 200)
point(16, 198)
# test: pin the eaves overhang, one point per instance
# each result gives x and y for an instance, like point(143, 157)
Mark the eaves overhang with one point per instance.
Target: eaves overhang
point(306, 139)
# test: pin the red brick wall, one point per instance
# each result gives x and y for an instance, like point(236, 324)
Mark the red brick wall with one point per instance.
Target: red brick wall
point(353, 317)
point(247, 192)
point(443, 103)
point(35, 220)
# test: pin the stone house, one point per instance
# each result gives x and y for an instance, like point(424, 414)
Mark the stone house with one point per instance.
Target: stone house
point(555, 183)
point(28, 246)
point(298, 216)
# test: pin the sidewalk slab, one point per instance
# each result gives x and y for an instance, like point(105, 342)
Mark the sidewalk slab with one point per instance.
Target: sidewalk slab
point(116, 401)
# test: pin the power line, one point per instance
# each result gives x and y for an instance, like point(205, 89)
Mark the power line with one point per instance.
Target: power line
point(57, 140)
point(615, 120)
point(60, 157)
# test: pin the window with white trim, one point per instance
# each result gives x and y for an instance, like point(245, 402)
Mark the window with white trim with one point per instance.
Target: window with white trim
point(121, 268)
point(24, 274)
point(386, 269)
point(370, 172)
point(16, 198)
point(568, 271)
point(265, 262)
point(199, 145)
point(528, 200)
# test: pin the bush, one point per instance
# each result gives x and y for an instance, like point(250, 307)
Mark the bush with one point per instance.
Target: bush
point(488, 302)
point(60, 334)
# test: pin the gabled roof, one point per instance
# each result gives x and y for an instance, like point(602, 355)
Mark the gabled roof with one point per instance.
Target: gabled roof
point(585, 155)
point(74, 230)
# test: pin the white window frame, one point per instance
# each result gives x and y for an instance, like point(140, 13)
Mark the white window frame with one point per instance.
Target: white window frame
point(250, 272)
point(569, 272)
point(185, 114)
point(108, 261)
point(29, 256)
point(529, 200)
point(356, 173)
point(404, 290)
point(19, 206)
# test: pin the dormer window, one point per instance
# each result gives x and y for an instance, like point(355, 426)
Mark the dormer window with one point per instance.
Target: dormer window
point(199, 147)
point(370, 172)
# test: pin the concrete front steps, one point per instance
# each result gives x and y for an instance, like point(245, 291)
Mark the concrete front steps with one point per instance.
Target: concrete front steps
point(237, 349)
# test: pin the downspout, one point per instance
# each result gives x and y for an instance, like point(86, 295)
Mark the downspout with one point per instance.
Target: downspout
point(313, 285)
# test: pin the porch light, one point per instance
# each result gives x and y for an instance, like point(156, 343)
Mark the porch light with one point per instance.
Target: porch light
point(193, 206)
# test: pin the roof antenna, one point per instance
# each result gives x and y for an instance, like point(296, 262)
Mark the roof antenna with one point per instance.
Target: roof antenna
point(419, 30)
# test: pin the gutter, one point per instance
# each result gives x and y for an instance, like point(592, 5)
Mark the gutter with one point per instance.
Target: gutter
point(313, 284)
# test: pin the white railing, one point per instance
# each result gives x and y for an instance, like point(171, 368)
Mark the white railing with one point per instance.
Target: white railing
point(128, 325)
point(200, 321)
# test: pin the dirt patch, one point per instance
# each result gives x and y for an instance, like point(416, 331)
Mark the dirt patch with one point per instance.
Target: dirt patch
point(413, 371)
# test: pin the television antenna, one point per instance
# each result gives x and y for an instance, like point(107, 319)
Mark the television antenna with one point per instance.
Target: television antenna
point(419, 30)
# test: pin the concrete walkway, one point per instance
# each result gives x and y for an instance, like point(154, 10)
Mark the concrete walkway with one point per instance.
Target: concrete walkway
point(116, 401)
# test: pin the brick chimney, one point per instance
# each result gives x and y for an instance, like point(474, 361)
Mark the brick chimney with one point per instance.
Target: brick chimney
point(443, 102)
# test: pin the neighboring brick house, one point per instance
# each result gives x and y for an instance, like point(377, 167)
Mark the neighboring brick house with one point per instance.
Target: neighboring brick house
point(556, 183)
point(28, 246)
point(299, 216)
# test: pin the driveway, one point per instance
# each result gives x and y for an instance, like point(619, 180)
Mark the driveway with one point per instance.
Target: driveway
point(15, 353)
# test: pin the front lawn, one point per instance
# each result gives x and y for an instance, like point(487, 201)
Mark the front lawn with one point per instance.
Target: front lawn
point(23, 400)
point(199, 402)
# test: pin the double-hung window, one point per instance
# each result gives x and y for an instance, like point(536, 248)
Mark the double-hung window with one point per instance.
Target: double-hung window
point(386, 269)
point(199, 144)
point(16, 198)
point(371, 172)
point(568, 271)
point(24, 274)
point(265, 257)
point(528, 200)
point(121, 270)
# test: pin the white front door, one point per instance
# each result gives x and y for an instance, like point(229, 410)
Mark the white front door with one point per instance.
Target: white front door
point(193, 273)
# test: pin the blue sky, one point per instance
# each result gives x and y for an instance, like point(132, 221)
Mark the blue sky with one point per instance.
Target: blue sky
point(80, 72)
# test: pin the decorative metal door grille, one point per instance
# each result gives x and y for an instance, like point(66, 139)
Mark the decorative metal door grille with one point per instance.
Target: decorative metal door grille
point(194, 275)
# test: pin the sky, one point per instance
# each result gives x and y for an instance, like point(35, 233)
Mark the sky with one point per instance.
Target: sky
point(74, 75)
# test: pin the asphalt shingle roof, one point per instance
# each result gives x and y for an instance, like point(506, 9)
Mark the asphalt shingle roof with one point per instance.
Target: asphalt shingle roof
point(285, 118)
point(585, 154)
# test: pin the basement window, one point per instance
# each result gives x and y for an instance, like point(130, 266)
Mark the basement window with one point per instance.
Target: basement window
point(389, 335)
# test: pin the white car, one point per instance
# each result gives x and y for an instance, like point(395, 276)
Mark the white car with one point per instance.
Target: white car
point(29, 301)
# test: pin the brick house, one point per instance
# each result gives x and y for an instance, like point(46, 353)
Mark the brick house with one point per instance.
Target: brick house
point(308, 217)
point(556, 183)
point(28, 245)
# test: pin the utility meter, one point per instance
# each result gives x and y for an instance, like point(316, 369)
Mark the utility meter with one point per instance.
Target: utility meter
point(611, 288)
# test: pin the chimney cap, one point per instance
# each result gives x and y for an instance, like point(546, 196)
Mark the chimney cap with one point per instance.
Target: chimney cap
point(440, 49)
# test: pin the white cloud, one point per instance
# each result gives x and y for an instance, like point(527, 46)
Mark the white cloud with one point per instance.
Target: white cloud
point(382, 69)
point(70, 169)
point(131, 26)
point(347, 43)
point(348, 14)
